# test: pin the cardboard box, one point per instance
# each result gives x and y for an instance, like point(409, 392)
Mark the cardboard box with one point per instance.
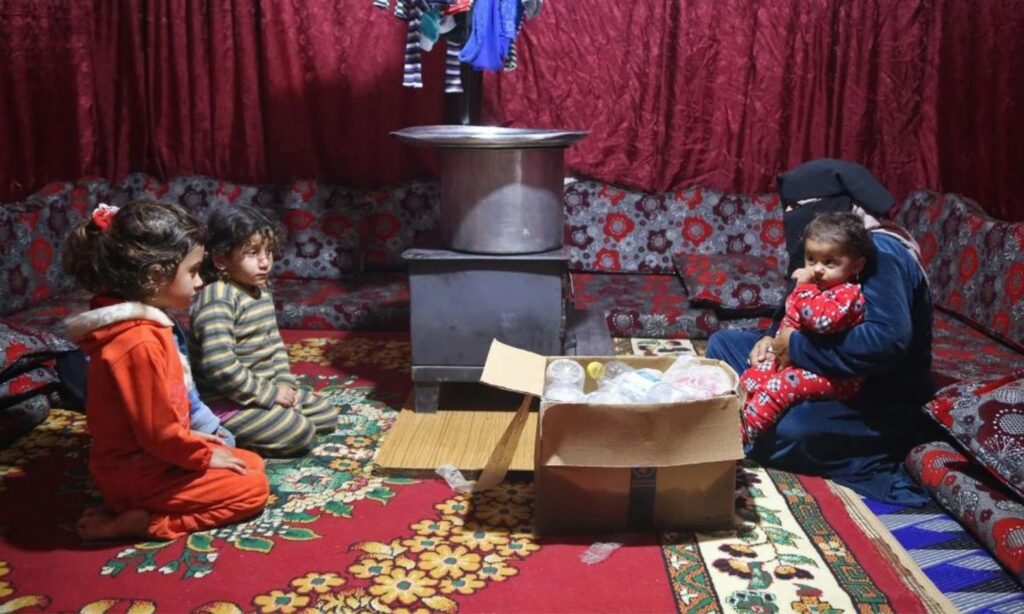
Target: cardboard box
point(622, 467)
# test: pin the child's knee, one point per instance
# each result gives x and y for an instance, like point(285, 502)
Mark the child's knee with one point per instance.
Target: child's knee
point(299, 439)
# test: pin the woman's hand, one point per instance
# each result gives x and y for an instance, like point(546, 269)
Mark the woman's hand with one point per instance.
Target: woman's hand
point(222, 458)
point(285, 396)
point(780, 347)
point(761, 350)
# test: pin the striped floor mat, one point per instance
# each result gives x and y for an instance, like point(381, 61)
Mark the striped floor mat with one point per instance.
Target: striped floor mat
point(957, 564)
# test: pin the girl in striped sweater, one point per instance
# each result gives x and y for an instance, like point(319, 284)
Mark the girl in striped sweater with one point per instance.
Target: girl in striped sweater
point(236, 348)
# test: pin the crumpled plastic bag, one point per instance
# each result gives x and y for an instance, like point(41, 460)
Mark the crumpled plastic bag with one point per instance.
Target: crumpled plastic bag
point(598, 552)
point(455, 479)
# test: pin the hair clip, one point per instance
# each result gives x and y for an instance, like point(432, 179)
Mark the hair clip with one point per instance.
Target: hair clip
point(103, 215)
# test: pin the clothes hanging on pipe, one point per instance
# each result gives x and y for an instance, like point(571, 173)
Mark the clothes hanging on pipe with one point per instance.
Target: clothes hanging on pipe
point(481, 33)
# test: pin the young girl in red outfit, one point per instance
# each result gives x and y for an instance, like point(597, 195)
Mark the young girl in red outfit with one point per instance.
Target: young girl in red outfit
point(158, 478)
point(826, 300)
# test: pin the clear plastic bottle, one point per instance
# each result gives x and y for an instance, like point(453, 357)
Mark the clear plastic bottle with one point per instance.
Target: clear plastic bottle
point(565, 371)
point(603, 373)
point(604, 396)
point(563, 393)
point(633, 385)
point(663, 392)
point(682, 364)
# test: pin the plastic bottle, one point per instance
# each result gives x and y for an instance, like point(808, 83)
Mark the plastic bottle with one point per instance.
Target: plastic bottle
point(565, 371)
point(633, 385)
point(603, 373)
point(683, 363)
point(663, 392)
point(604, 396)
point(563, 393)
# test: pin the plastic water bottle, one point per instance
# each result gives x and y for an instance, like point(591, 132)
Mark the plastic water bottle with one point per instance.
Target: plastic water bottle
point(604, 396)
point(663, 392)
point(565, 371)
point(563, 393)
point(603, 373)
point(633, 385)
point(683, 363)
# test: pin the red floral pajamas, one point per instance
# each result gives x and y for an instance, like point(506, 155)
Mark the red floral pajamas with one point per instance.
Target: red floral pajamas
point(771, 391)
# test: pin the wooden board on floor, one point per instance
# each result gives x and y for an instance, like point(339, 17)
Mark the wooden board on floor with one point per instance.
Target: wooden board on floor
point(463, 432)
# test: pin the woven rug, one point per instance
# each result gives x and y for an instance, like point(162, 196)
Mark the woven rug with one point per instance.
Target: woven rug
point(952, 559)
point(337, 537)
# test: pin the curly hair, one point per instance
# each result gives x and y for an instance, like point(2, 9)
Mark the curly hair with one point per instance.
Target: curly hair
point(229, 228)
point(843, 229)
point(137, 253)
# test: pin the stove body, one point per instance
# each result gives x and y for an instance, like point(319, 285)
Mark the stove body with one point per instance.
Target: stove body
point(460, 302)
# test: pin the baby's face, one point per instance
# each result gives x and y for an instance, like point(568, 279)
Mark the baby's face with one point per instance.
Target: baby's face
point(830, 263)
point(250, 263)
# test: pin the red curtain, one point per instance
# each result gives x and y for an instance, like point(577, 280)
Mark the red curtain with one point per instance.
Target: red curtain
point(926, 93)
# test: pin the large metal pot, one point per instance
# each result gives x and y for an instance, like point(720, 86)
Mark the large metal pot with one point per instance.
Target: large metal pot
point(501, 188)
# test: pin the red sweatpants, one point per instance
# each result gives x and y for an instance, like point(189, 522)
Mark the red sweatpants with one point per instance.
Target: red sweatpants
point(770, 393)
point(188, 501)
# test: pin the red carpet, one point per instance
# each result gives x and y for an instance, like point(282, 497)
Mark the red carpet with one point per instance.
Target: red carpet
point(337, 538)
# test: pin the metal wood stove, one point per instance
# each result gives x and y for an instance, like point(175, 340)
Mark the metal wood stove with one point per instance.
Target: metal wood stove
point(501, 272)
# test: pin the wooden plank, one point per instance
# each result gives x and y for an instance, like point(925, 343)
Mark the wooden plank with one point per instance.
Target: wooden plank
point(463, 432)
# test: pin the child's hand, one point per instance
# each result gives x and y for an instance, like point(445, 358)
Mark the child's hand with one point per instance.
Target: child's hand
point(285, 395)
point(803, 275)
point(222, 458)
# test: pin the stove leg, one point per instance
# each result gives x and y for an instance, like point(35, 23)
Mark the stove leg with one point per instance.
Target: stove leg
point(425, 397)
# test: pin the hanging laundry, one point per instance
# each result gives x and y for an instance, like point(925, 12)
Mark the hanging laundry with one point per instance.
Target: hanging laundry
point(430, 28)
point(457, 6)
point(494, 27)
point(481, 33)
point(452, 68)
point(531, 8)
point(511, 60)
point(412, 75)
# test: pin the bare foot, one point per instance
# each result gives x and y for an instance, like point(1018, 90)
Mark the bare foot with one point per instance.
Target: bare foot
point(98, 524)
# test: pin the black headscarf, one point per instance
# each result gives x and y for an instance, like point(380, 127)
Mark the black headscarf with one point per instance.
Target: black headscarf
point(834, 185)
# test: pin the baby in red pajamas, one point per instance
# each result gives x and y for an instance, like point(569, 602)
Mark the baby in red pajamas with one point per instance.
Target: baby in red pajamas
point(826, 300)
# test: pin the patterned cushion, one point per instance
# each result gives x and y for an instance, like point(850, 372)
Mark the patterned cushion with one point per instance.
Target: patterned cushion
point(22, 416)
point(388, 219)
point(393, 218)
point(715, 223)
point(748, 324)
point(49, 316)
point(987, 418)
point(608, 229)
point(733, 283)
point(643, 305)
point(968, 494)
point(979, 270)
point(22, 349)
point(199, 194)
point(321, 233)
point(32, 233)
point(371, 301)
point(962, 352)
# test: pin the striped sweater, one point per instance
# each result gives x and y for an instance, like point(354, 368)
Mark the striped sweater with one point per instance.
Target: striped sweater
point(236, 350)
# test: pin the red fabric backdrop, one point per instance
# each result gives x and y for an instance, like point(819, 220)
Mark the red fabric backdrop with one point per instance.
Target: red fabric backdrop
point(926, 93)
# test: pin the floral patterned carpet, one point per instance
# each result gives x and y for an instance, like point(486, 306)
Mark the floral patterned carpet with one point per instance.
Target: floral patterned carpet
point(336, 537)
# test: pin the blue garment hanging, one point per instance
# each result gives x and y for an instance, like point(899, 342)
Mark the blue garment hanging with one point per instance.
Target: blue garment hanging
point(494, 24)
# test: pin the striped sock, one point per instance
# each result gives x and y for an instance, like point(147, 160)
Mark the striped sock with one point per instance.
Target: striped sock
point(452, 68)
point(413, 69)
